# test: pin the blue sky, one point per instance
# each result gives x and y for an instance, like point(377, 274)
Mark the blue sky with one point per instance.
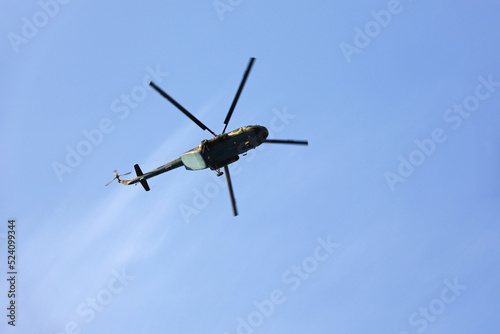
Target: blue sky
point(386, 223)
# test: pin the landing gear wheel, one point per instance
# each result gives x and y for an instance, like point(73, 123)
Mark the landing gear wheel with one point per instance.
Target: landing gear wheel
point(219, 173)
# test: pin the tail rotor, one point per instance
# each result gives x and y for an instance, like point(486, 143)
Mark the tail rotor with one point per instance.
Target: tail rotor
point(117, 177)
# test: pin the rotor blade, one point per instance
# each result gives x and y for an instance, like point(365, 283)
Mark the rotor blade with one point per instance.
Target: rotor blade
point(110, 182)
point(231, 193)
point(181, 108)
point(286, 141)
point(125, 174)
point(245, 76)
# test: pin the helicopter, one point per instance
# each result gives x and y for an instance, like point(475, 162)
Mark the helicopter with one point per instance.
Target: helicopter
point(215, 153)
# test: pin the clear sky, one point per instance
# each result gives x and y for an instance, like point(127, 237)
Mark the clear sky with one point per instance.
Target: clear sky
point(388, 222)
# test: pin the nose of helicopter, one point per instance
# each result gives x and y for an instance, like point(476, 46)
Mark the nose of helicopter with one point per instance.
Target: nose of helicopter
point(262, 133)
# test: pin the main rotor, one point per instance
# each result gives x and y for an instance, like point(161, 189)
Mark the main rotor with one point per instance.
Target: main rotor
point(226, 122)
point(192, 117)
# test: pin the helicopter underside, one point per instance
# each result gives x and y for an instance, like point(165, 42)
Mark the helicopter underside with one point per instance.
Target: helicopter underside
point(224, 149)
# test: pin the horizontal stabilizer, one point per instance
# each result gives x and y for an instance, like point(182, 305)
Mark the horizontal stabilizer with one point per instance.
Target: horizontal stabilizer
point(145, 184)
point(138, 170)
point(139, 173)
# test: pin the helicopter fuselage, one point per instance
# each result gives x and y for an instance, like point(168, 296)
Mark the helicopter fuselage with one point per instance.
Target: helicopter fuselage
point(225, 148)
point(214, 153)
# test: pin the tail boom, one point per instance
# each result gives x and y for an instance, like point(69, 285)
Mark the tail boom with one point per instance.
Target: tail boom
point(141, 177)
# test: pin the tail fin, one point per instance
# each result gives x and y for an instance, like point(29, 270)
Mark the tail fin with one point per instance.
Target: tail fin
point(139, 173)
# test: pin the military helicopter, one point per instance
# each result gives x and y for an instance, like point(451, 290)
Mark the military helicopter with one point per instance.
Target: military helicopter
point(215, 153)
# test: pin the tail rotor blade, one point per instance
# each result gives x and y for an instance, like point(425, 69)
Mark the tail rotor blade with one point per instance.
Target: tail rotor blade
point(110, 181)
point(286, 141)
point(181, 108)
point(235, 100)
point(231, 193)
point(117, 176)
